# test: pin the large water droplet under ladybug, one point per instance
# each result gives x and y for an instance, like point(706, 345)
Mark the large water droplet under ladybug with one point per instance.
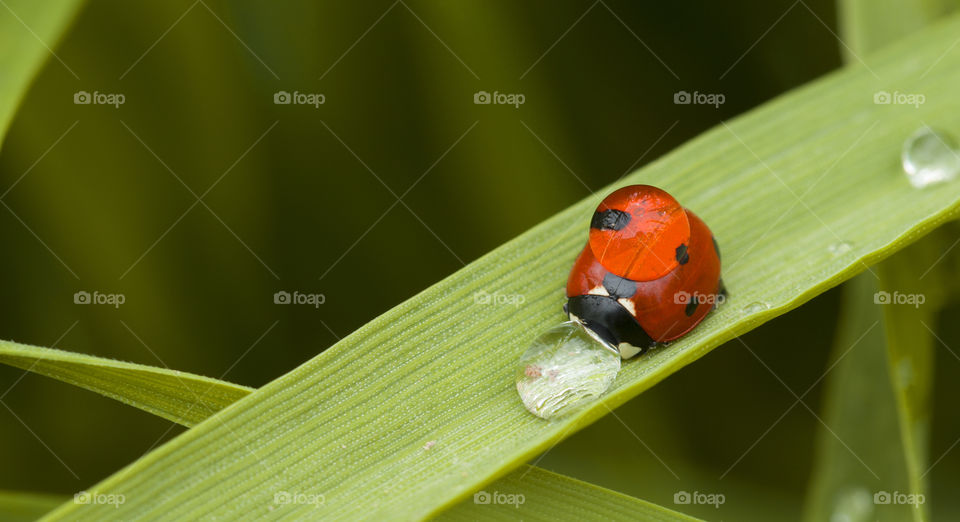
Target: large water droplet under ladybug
point(649, 273)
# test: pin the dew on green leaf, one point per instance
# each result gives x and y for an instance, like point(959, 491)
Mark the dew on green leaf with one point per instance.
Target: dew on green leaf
point(840, 247)
point(755, 307)
point(930, 156)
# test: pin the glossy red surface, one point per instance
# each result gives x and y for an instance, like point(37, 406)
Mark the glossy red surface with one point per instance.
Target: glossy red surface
point(646, 248)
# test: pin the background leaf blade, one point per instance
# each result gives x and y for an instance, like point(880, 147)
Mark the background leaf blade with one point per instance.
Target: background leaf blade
point(28, 30)
point(17, 506)
point(550, 496)
point(182, 397)
point(861, 454)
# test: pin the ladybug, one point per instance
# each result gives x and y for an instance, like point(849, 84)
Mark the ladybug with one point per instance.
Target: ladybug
point(649, 273)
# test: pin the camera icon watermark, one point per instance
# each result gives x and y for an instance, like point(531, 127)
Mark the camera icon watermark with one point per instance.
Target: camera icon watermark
point(299, 98)
point(99, 499)
point(884, 298)
point(685, 298)
point(899, 98)
point(85, 298)
point(699, 98)
point(483, 297)
point(698, 498)
point(283, 498)
point(499, 98)
point(497, 498)
point(284, 298)
point(898, 498)
point(99, 98)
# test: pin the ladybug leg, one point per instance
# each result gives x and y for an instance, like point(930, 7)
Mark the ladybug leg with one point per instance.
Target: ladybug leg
point(721, 291)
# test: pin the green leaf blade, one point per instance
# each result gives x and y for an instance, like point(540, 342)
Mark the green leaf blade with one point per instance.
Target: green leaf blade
point(28, 31)
point(859, 453)
point(545, 495)
point(870, 24)
point(548, 492)
point(877, 417)
point(19, 506)
point(178, 396)
point(916, 273)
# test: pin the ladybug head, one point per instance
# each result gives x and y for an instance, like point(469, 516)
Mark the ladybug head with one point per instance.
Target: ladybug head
point(610, 323)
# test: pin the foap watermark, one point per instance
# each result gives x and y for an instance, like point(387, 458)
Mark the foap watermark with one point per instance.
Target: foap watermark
point(899, 98)
point(283, 498)
point(99, 499)
point(499, 98)
point(684, 298)
point(99, 98)
point(284, 298)
point(707, 499)
point(898, 498)
point(497, 498)
point(882, 297)
point(699, 98)
point(84, 298)
point(485, 298)
point(299, 98)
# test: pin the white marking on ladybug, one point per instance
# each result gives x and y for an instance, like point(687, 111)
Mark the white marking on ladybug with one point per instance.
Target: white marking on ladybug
point(628, 304)
point(599, 290)
point(628, 350)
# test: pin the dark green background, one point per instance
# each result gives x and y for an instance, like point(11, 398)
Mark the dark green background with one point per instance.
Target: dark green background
point(598, 104)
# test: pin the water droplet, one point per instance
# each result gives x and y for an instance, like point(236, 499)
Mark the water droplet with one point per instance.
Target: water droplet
point(853, 505)
point(840, 248)
point(755, 307)
point(564, 369)
point(930, 156)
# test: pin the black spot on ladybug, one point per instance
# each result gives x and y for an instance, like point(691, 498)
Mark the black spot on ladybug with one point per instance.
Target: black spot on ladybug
point(682, 255)
point(619, 287)
point(611, 219)
point(716, 247)
point(692, 305)
point(608, 319)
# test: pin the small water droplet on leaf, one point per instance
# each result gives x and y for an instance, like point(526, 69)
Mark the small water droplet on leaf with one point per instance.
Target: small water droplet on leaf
point(755, 307)
point(840, 248)
point(930, 156)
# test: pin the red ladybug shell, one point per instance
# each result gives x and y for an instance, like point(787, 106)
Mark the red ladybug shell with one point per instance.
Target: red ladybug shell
point(665, 308)
point(639, 232)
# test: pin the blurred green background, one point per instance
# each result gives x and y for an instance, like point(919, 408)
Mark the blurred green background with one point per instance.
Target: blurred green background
point(303, 198)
